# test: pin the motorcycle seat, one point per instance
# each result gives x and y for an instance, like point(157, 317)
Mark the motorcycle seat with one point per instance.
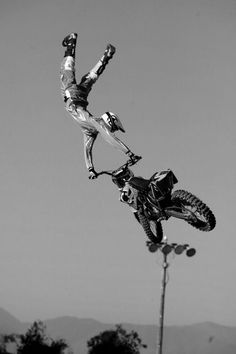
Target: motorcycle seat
point(139, 183)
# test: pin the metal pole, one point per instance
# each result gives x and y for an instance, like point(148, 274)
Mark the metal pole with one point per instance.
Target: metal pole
point(166, 249)
point(165, 265)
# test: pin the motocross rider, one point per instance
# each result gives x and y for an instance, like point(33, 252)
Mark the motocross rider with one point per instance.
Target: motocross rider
point(75, 98)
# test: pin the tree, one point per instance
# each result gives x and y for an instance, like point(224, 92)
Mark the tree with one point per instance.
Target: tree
point(35, 341)
point(3, 349)
point(116, 341)
point(5, 340)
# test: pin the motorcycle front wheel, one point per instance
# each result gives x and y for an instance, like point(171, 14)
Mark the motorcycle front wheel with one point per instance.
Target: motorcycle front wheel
point(197, 213)
point(152, 228)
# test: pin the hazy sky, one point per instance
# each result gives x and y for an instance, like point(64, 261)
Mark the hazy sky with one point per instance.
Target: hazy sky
point(68, 246)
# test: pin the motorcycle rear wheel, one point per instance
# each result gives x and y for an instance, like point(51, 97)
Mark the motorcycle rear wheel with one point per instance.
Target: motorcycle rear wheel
point(152, 228)
point(200, 215)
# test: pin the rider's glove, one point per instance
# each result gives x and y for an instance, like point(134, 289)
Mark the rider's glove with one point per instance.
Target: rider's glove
point(92, 173)
point(134, 158)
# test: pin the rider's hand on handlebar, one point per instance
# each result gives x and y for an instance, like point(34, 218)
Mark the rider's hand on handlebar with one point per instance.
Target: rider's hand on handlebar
point(134, 158)
point(92, 173)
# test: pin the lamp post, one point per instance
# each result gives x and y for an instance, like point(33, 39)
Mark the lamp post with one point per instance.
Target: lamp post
point(165, 248)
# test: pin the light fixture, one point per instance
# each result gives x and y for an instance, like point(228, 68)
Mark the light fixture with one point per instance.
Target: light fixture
point(179, 249)
point(166, 249)
point(190, 252)
point(153, 247)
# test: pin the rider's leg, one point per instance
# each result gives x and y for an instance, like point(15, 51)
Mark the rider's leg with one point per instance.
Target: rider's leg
point(69, 88)
point(68, 79)
point(91, 77)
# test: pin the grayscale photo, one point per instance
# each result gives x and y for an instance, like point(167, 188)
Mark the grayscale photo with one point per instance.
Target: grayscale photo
point(117, 181)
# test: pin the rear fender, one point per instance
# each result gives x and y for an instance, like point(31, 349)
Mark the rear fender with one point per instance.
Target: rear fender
point(163, 183)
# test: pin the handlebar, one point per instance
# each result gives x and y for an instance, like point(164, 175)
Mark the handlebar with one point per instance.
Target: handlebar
point(111, 172)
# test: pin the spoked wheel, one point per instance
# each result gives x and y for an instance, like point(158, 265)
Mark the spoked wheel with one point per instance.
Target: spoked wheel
point(196, 212)
point(152, 228)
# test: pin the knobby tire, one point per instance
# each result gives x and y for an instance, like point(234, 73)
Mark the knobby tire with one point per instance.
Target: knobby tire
point(186, 199)
point(155, 238)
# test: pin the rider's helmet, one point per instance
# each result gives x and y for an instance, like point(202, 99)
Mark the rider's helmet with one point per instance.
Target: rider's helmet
point(112, 122)
point(121, 176)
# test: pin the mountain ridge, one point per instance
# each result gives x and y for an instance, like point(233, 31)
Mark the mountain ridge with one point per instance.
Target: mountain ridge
point(199, 338)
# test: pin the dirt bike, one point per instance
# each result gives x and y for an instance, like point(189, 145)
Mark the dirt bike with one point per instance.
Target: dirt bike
point(153, 201)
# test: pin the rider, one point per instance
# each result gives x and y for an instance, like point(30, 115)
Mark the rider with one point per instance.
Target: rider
point(75, 98)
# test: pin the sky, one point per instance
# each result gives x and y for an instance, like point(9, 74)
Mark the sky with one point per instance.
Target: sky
point(68, 246)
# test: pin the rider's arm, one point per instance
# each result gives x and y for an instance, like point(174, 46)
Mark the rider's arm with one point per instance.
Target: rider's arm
point(89, 140)
point(116, 142)
point(112, 139)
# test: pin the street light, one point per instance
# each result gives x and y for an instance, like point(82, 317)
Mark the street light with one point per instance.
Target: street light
point(190, 252)
point(179, 249)
point(166, 248)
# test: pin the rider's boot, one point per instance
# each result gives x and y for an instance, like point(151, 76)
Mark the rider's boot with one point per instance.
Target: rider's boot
point(70, 43)
point(102, 63)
